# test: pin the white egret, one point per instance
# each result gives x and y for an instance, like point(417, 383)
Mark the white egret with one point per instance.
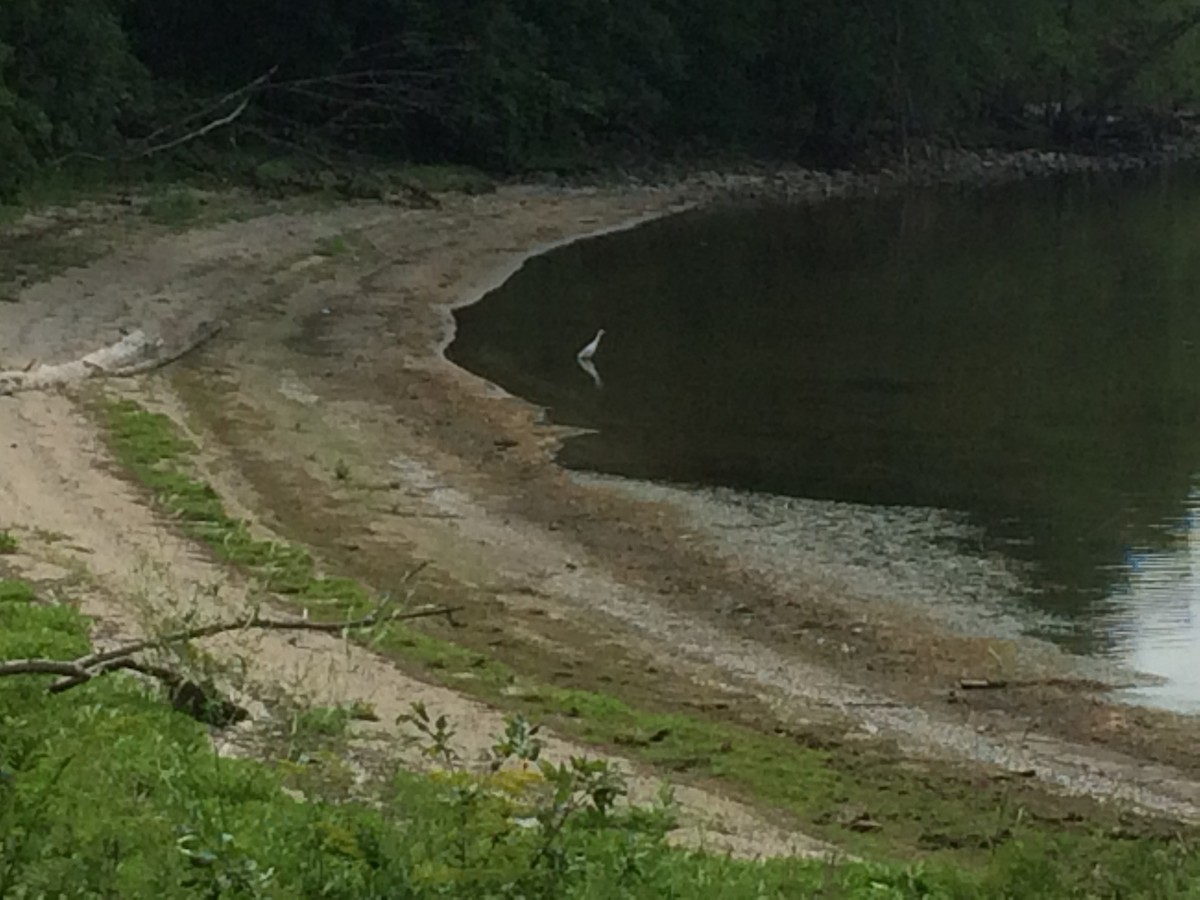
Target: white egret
point(590, 350)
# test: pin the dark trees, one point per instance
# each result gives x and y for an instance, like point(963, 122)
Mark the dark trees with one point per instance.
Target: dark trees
point(522, 83)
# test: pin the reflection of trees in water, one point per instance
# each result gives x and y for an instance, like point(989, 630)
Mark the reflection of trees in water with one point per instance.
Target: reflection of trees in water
point(1029, 355)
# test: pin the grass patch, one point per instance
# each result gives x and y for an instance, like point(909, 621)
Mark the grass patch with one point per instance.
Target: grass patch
point(173, 176)
point(8, 542)
point(1009, 835)
point(332, 246)
point(105, 791)
point(318, 730)
point(12, 591)
point(331, 721)
point(439, 179)
point(84, 180)
point(155, 453)
point(176, 208)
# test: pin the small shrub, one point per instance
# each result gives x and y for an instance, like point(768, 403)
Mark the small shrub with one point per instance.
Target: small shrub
point(447, 179)
point(173, 208)
point(276, 175)
point(362, 186)
point(16, 591)
point(8, 542)
point(332, 246)
point(323, 721)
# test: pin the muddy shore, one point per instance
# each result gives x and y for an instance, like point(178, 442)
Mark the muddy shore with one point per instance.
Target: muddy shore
point(328, 413)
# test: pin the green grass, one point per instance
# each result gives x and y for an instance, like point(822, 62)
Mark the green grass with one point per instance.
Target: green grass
point(8, 542)
point(154, 452)
point(12, 591)
point(209, 167)
point(176, 207)
point(316, 732)
point(447, 179)
point(996, 828)
point(333, 246)
point(106, 791)
point(57, 187)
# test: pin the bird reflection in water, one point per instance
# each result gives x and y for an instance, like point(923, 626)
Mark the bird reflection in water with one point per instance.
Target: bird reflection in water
point(590, 367)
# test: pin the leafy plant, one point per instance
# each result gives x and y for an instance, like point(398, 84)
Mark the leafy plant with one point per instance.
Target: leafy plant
point(220, 869)
point(437, 733)
point(333, 246)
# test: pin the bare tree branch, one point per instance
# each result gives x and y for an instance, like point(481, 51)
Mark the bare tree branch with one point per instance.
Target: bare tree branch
point(256, 622)
point(192, 135)
point(43, 667)
point(246, 92)
point(293, 146)
point(211, 108)
point(87, 667)
point(79, 671)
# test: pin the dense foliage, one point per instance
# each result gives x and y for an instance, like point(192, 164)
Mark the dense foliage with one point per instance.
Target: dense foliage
point(67, 77)
point(524, 83)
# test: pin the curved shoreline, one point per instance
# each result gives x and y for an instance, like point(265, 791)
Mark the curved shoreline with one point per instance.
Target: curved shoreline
point(793, 680)
point(814, 186)
point(345, 356)
point(476, 291)
point(1056, 669)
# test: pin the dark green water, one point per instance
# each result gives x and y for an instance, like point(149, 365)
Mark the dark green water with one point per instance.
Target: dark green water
point(1029, 356)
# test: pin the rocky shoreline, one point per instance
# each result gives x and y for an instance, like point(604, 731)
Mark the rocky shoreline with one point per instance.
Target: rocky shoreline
point(767, 181)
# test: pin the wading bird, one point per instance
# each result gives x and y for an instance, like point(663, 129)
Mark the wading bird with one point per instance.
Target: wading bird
point(590, 350)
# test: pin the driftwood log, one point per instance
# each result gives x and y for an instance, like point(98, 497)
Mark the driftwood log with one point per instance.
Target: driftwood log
point(134, 354)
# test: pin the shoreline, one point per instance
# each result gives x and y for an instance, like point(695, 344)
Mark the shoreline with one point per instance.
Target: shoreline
point(344, 354)
point(810, 186)
point(781, 181)
point(912, 685)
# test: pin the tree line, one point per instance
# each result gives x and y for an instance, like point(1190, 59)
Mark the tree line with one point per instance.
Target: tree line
point(512, 84)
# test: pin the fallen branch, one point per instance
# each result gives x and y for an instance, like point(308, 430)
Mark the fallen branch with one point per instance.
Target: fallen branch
point(982, 684)
point(101, 660)
point(202, 701)
point(134, 354)
point(88, 667)
point(379, 615)
point(1074, 684)
point(211, 108)
point(246, 92)
point(192, 135)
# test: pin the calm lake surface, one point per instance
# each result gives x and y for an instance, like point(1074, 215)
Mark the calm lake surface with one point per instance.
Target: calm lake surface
point(1028, 357)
